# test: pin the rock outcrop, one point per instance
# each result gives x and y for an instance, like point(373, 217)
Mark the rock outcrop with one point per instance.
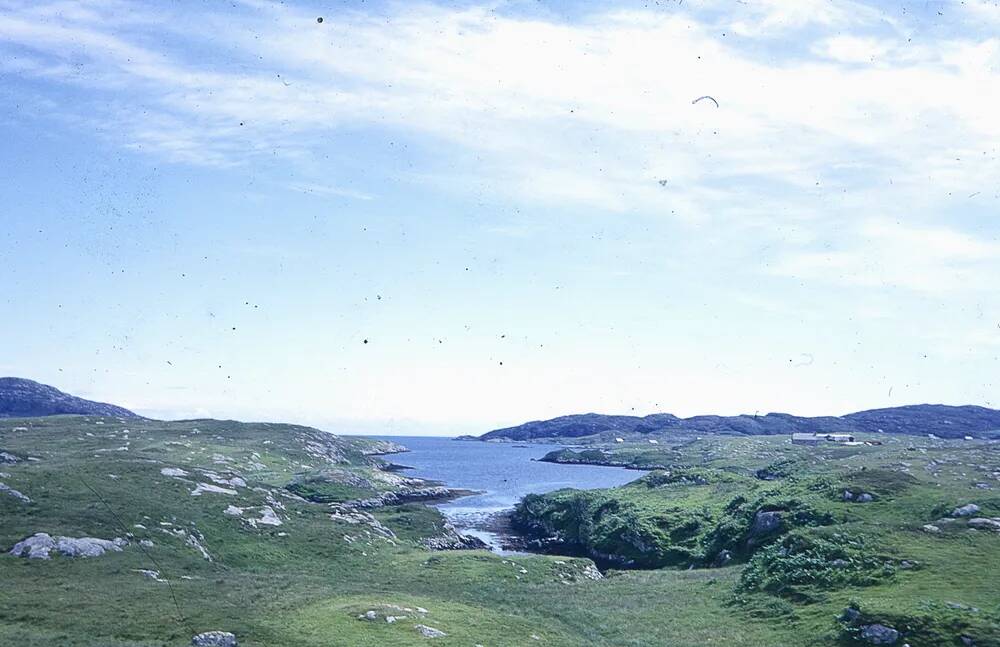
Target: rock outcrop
point(878, 634)
point(41, 544)
point(966, 510)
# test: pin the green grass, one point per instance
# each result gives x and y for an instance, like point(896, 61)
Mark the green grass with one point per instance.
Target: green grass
point(306, 581)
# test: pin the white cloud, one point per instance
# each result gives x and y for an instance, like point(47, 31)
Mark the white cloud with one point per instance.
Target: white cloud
point(924, 259)
point(597, 112)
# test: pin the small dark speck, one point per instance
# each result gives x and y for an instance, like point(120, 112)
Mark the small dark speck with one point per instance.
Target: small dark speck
point(320, 19)
point(366, 341)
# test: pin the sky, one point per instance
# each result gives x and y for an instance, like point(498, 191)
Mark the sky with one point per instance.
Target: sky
point(439, 218)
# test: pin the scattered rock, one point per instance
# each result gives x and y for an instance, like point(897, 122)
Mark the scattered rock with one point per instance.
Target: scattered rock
point(864, 497)
point(929, 527)
point(88, 546)
point(233, 511)
point(848, 495)
point(207, 487)
point(409, 495)
point(173, 471)
point(981, 523)
point(39, 545)
point(215, 639)
point(14, 493)
point(269, 517)
point(153, 575)
point(8, 458)
point(451, 539)
point(36, 546)
point(966, 510)
point(878, 634)
point(429, 632)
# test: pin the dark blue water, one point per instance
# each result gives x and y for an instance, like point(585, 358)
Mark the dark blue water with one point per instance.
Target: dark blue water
point(504, 472)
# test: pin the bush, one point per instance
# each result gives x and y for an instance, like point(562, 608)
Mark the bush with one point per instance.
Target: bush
point(805, 559)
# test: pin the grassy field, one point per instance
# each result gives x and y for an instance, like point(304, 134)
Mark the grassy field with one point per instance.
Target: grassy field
point(307, 581)
point(830, 551)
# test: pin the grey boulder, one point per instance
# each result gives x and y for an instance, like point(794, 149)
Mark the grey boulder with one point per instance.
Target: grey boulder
point(765, 523)
point(429, 632)
point(966, 510)
point(877, 634)
point(36, 546)
point(39, 545)
point(215, 639)
point(983, 523)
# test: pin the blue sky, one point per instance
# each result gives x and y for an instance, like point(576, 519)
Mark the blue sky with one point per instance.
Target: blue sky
point(208, 208)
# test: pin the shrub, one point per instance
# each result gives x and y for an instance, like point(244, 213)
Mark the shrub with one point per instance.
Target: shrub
point(806, 559)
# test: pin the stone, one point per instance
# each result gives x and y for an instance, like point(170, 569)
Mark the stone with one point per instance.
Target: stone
point(878, 634)
point(208, 487)
point(848, 496)
point(966, 510)
point(36, 546)
point(20, 496)
point(268, 517)
point(929, 527)
point(765, 523)
point(981, 523)
point(864, 497)
point(429, 632)
point(173, 471)
point(850, 615)
point(88, 546)
point(215, 639)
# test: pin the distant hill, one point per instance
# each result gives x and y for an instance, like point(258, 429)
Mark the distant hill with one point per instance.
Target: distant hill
point(941, 420)
point(20, 398)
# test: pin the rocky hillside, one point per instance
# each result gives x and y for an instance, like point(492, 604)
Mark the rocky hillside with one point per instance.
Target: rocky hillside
point(940, 420)
point(21, 398)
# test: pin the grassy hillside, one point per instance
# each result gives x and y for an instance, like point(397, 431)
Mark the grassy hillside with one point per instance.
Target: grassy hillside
point(304, 582)
point(191, 567)
point(817, 530)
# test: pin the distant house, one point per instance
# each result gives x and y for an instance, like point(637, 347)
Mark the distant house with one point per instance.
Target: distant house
point(815, 439)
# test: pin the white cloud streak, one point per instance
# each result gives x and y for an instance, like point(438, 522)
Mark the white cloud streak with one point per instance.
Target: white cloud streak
point(595, 112)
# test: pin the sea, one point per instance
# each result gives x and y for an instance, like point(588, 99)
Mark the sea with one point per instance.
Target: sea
point(502, 473)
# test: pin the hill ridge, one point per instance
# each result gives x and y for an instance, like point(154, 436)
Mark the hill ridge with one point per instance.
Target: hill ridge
point(24, 398)
point(946, 421)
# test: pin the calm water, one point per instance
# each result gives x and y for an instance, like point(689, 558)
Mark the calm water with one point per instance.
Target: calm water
point(504, 472)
